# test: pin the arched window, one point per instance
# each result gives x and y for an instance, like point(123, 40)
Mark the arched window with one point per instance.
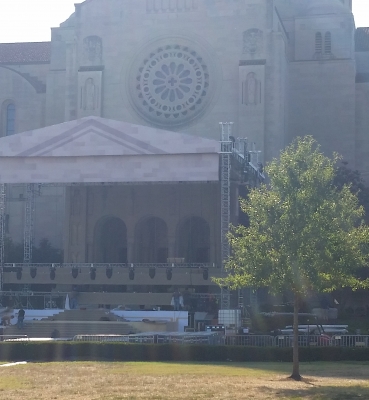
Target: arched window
point(10, 119)
point(318, 43)
point(328, 43)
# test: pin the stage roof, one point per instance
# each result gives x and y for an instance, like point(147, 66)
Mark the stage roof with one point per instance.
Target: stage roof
point(99, 150)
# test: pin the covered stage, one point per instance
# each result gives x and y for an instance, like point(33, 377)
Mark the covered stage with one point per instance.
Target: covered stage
point(146, 210)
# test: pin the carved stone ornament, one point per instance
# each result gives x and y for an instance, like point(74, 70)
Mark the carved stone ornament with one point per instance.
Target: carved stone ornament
point(252, 41)
point(92, 50)
point(171, 84)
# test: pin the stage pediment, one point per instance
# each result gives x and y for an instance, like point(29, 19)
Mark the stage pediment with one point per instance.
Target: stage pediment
point(94, 136)
point(94, 149)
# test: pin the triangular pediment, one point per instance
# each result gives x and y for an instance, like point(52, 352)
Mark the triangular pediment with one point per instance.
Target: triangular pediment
point(94, 136)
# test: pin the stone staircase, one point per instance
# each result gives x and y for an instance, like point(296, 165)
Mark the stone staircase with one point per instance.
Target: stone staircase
point(74, 322)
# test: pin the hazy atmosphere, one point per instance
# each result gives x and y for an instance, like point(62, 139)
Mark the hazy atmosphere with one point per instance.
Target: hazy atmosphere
point(38, 16)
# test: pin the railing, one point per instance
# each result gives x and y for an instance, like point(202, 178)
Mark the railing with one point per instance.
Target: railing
point(219, 339)
point(160, 338)
point(12, 267)
point(250, 340)
point(12, 338)
point(304, 340)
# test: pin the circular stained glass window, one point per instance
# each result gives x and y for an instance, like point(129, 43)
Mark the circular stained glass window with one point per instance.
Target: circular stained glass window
point(171, 85)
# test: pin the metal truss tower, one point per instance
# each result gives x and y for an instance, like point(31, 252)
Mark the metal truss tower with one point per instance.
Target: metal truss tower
point(2, 231)
point(225, 203)
point(28, 222)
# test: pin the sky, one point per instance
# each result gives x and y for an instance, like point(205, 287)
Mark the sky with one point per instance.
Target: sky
point(31, 20)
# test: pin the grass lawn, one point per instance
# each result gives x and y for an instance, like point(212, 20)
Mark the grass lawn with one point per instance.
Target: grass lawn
point(115, 381)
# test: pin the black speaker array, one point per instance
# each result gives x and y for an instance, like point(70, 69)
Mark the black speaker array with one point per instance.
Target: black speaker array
point(109, 272)
point(74, 272)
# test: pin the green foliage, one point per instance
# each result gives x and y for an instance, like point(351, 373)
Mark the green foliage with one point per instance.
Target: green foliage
point(304, 233)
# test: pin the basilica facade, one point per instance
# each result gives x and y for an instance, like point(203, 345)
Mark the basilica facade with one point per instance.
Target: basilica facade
point(277, 69)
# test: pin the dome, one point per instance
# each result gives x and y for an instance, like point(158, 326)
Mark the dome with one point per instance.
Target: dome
point(324, 7)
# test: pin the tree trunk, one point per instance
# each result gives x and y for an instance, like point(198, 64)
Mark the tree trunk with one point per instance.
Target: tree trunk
point(296, 366)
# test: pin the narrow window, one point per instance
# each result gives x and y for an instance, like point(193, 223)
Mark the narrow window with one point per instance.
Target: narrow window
point(318, 43)
point(328, 43)
point(10, 119)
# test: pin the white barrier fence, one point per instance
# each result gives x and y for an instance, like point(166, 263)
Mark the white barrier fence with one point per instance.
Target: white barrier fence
point(304, 340)
point(241, 340)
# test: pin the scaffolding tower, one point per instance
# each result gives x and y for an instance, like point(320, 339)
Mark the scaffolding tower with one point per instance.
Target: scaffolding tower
point(225, 204)
point(2, 231)
point(238, 154)
point(28, 222)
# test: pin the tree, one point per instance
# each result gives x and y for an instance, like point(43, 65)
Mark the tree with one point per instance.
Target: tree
point(304, 233)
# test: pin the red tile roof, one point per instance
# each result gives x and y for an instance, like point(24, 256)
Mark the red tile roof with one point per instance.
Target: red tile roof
point(19, 53)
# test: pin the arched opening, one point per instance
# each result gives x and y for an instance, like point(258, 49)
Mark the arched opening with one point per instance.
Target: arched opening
point(110, 241)
point(193, 241)
point(151, 244)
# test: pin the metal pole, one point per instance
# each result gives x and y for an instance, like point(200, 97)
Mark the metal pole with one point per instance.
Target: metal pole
point(2, 232)
point(28, 222)
point(225, 203)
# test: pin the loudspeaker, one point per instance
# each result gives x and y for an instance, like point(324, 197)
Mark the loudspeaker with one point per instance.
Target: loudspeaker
point(131, 274)
point(33, 272)
point(74, 272)
point(109, 272)
point(169, 274)
point(19, 274)
point(205, 274)
point(152, 272)
point(52, 273)
point(93, 273)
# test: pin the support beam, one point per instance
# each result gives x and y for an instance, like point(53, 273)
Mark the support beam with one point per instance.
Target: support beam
point(28, 222)
point(225, 203)
point(2, 231)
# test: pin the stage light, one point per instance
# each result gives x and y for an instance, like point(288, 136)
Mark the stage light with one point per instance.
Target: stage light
point(169, 274)
point(19, 274)
point(33, 272)
point(93, 273)
point(52, 273)
point(205, 274)
point(109, 272)
point(74, 272)
point(152, 272)
point(131, 274)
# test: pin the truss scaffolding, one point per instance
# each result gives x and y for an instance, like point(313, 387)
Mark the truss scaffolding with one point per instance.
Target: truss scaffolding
point(2, 231)
point(225, 203)
point(29, 222)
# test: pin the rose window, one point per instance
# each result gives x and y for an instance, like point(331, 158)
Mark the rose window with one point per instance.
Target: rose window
point(170, 86)
point(173, 82)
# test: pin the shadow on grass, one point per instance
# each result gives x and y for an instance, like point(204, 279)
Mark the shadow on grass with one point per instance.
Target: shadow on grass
point(353, 370)
point(322, 393)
